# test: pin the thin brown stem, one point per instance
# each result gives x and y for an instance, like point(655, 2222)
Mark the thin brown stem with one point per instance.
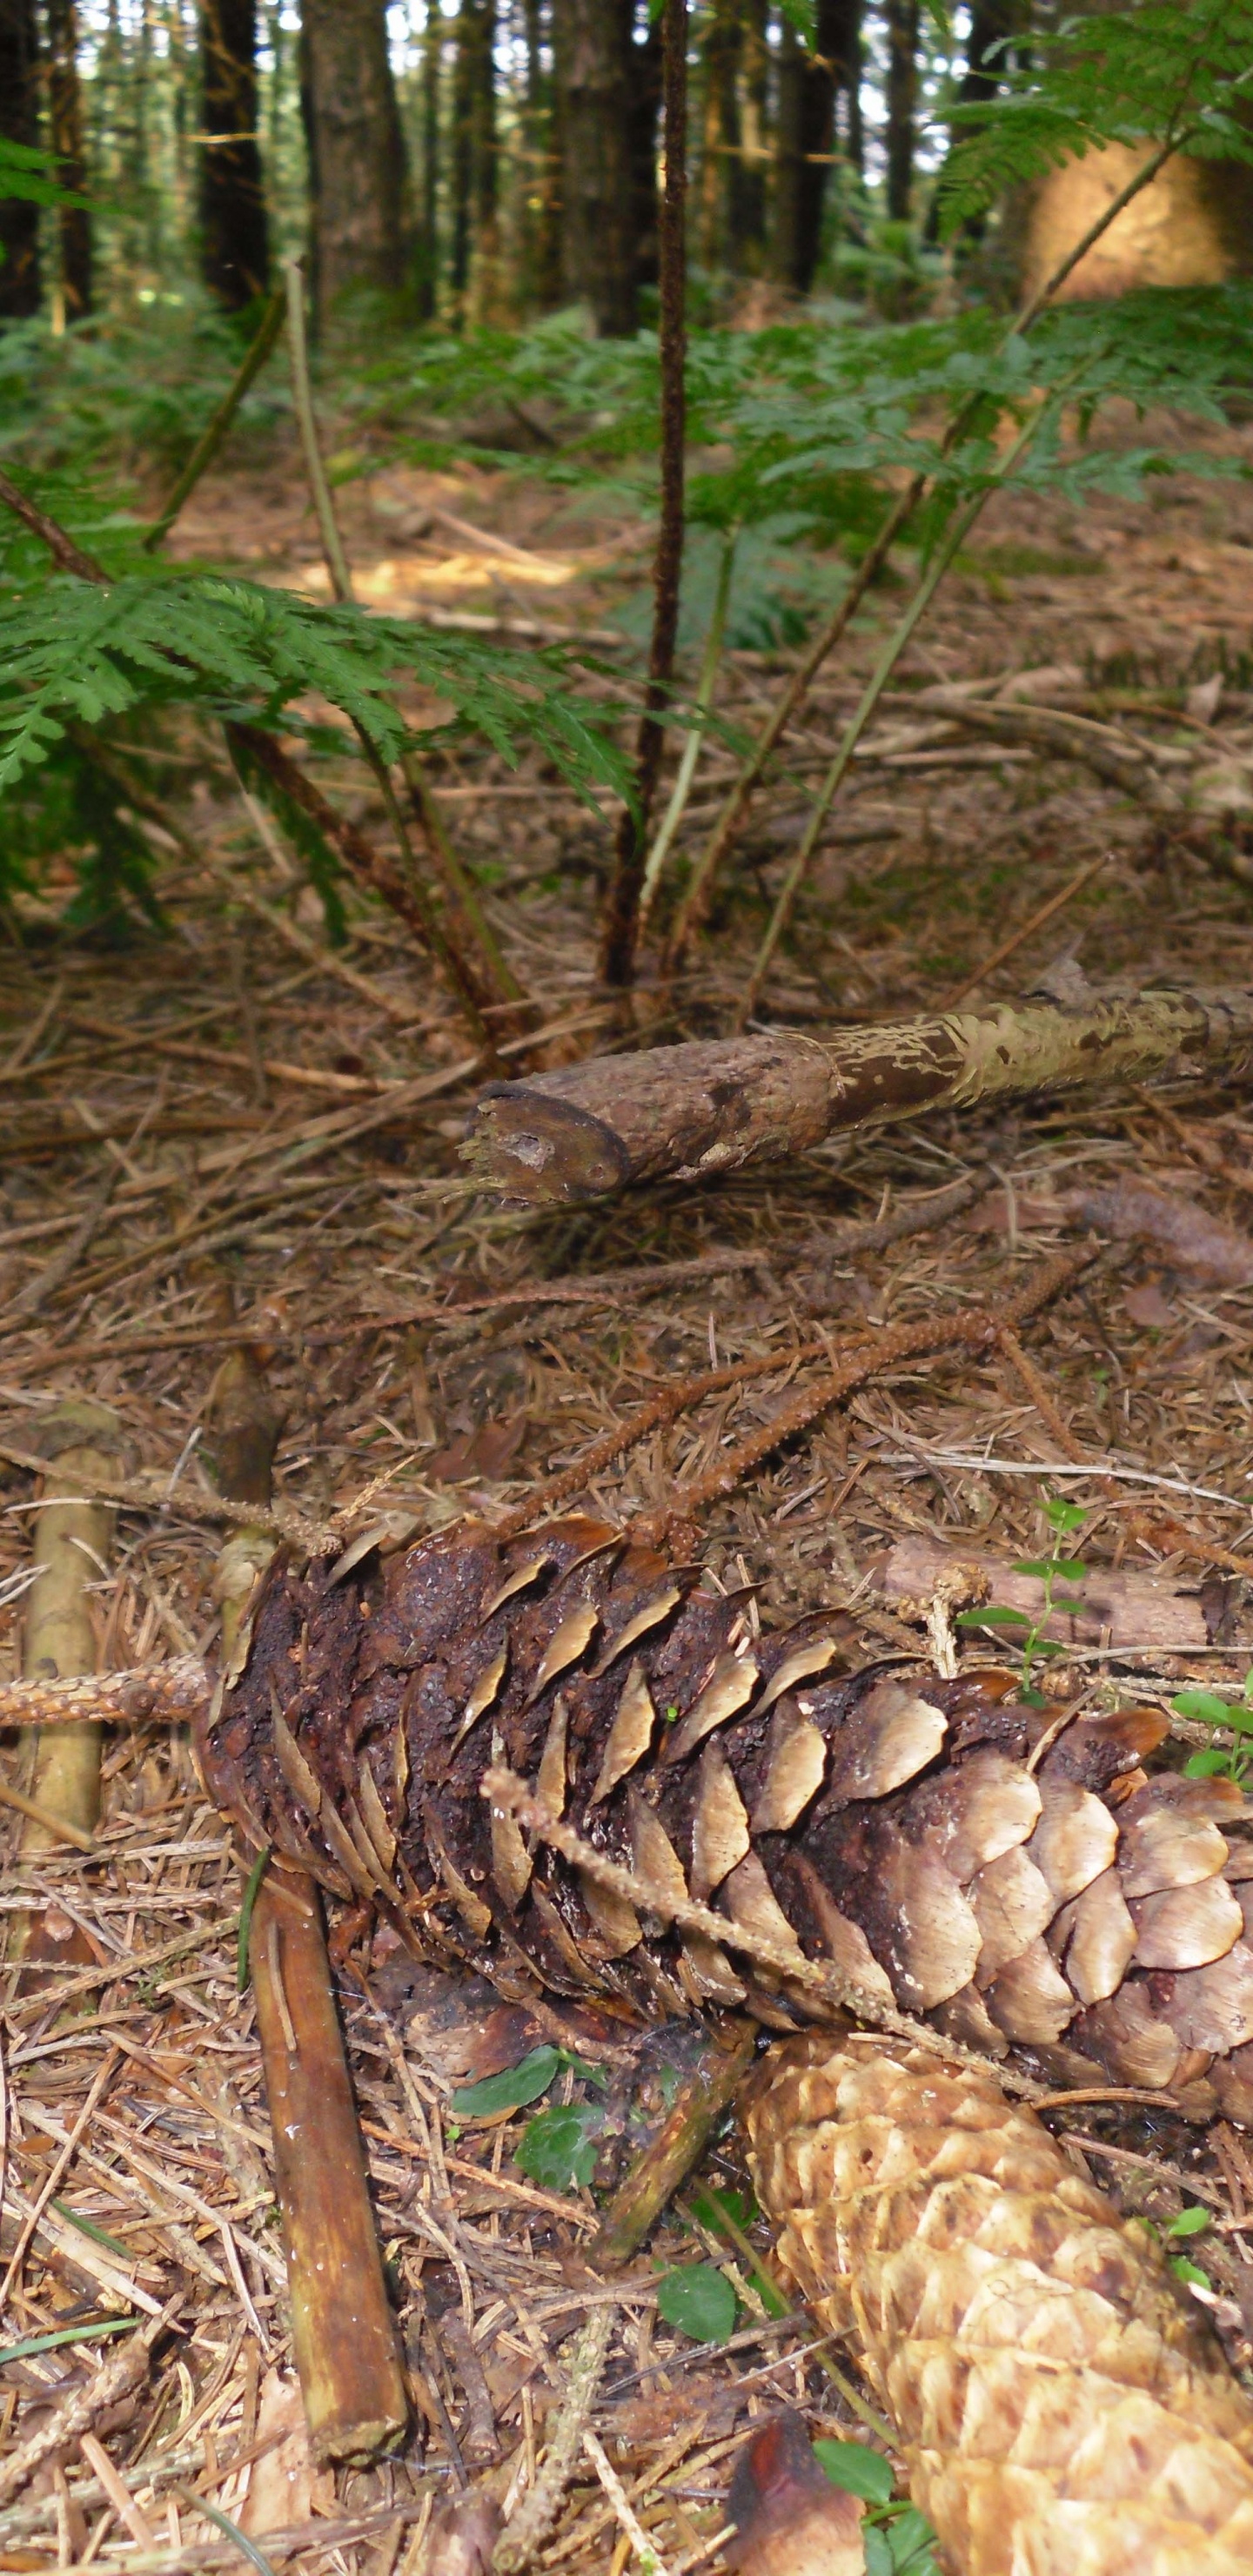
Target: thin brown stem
point(620, 926)
point(207, 445)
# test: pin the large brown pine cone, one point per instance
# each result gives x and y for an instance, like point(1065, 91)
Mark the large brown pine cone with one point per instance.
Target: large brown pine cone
point(1019, 1883)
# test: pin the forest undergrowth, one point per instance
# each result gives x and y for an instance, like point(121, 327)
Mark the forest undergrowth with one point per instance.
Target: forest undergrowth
point(220, 1116)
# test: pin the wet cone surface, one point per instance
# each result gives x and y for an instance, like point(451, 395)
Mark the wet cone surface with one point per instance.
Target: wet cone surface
point(1059, 2412)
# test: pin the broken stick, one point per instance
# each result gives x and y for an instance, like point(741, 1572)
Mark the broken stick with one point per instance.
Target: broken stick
point(687, 1111)
point(344, 2338)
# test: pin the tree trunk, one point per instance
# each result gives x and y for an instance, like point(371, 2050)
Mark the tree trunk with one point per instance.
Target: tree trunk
point(644, 84)
point(748, 198)
point(19, 123)
point(428, 289)
point(484, 278)
point(66, 120)
point(988, 58)
point(234, 240)
point(541, 177)
point(901, 19)
point(357, 162)
point(785, 224)
point(834, 65)
point(462, 158)
point(690, 1111)
point(594, 70)
point(720, 135)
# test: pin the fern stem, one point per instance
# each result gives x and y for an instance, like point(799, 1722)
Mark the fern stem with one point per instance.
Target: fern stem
point(620, 927)
point(955, 536)
point(210, 440)
point(705, 686)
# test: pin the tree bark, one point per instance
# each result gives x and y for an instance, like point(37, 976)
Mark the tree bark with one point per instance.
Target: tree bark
point(593, 40)
point(901, 19)
point(66, 120)
point(748, 201)
point(689, 1111)
point(785, 208)
point(234, 237)
point(19, 123)
point(542, 180)
point(358, 168)
point(834, 65)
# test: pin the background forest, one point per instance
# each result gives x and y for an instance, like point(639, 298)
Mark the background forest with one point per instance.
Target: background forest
point(534, 532)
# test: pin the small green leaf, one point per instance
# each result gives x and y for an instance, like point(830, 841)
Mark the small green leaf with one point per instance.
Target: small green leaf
point(66, 2334)
point(510, 2090)
point(856, 2468)
point(1063, 1516)
point(1046, 1646)
point(1204, 1704)
point(88, 2227)
point(911, 2539)
point(1067, 1601)
point(1207, 1766)
point(1186, 2271)
point(878, 2548)
point(1072, 1569)
point(558, 2148)
point(1189, 2222)
point(995, 1616)
point(1040, 1565)
point(699, 2301)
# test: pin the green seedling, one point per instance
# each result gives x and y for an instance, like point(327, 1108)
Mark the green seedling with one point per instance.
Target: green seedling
point(1219, 1761)
point(1063, 1518)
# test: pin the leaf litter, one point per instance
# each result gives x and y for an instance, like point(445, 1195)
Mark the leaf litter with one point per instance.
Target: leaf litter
point(279, 1120)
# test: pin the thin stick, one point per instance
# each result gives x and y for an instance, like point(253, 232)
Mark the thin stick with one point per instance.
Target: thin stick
point(464, 941)
point(696, 904)
point(819, 1978)
point(342, 2331)
point(701, 2099)
point(651, 2561)
point(620, 925)
point(210, 440)
point(538, 2511)
point(705, 686)
point(1019, 938)
point(890, 653)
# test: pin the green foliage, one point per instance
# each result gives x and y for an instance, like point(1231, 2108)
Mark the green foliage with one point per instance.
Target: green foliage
point(129, 395)
point(1219, 1761)
point(558, 2148)
point(698, 2301)
point(898, 2540)
point(511, 2090)
point(1137, 75)
point(26, 172)
point(1062, 1518)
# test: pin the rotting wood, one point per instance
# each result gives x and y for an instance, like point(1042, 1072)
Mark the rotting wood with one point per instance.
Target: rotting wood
point(687, 1112)
point(80, 1442)
point(343, 2334)
point(699, 2103)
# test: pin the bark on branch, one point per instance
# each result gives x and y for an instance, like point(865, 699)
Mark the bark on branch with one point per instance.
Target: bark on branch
point(687, 1111)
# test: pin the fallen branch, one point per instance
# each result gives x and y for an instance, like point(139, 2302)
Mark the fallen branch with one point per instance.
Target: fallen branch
point(343, 2335)
point(688, 1111)
point(72, 1541)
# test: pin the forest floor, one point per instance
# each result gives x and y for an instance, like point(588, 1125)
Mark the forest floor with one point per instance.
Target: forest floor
point(229, 1106)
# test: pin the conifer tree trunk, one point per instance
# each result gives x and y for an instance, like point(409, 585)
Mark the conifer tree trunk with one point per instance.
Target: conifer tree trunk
point(748, 196)
point(542, 186)
point(484, 283)
point(643, 56)
point(901, 19)
point(19, 123)
point(428, 294)
point(461, 157)
point(235, 254)
point(785, 223)
point(833, 66)
point(357, 161)
point(594, 70)
point(66, 119)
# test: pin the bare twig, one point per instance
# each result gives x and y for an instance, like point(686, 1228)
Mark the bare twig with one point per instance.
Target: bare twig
point(210, 440)
point(520, 2544)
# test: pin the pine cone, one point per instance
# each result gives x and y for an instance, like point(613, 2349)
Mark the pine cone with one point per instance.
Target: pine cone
point(946, 1846)
point(1059, 2411)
